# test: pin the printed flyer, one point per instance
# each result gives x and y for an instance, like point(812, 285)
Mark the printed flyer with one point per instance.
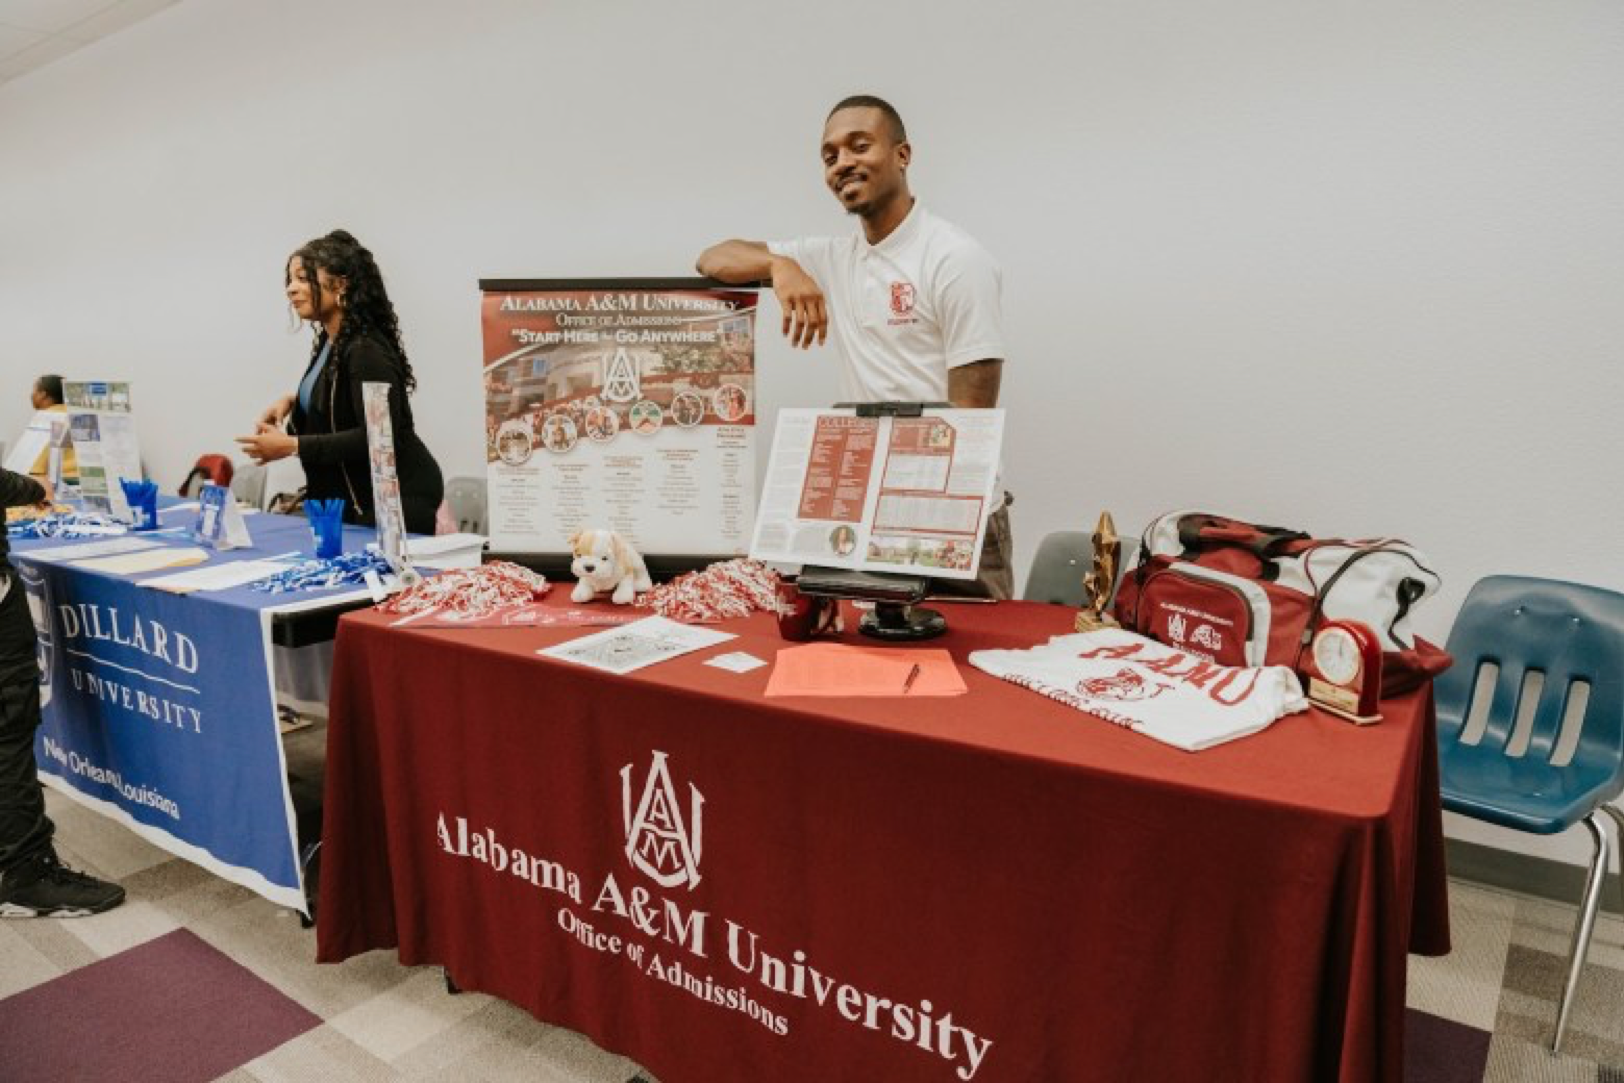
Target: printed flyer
point(103, 430)
point(880, 494)
point(390, 517)
point(628, 405)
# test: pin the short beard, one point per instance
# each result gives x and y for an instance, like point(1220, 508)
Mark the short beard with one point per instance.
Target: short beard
point(860, 210)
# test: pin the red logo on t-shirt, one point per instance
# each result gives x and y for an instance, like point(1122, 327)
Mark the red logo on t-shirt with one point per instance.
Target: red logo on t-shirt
point(1126, 685)
point(902, 298)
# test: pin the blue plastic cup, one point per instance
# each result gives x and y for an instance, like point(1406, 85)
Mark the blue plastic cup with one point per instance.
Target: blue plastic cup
point(327, 524)
point(142, 496)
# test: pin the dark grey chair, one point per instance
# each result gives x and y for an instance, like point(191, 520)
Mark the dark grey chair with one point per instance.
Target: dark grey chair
point(466, 498)
point(248, 484)
point(1062, 559)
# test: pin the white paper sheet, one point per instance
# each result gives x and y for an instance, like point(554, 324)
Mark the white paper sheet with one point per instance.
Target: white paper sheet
point(87, 550)
point(633, 646)
point(34, 439)
point(147, 560)
point(446, 551)
point(736, 662)
point(216, 577)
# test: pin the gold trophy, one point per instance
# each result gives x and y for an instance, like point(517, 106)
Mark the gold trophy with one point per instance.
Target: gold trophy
point(1098, 582)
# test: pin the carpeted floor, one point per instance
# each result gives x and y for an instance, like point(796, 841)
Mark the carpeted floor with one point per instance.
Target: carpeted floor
point(1503, 980)
point(216, 954)
point(173, 1008)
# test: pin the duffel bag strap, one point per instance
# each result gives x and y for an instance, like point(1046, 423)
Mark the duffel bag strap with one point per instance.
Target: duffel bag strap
point(1409, 590)
point(1137, 574)
point(1200, 534)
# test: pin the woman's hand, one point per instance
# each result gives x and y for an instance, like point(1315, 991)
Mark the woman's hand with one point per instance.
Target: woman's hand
point(268, 444)
point(275, 413)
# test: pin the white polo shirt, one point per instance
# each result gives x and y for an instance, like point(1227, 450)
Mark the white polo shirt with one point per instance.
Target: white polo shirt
point(926, 299)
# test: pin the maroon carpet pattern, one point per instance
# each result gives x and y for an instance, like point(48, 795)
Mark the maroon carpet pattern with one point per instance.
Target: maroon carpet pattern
point(173, 1008)
point(1441, 1051)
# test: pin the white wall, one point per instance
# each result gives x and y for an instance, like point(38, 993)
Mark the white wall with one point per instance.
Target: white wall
point(1352, 267)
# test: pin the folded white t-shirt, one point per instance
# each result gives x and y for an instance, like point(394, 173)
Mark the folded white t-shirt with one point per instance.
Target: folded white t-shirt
point(1175, 697)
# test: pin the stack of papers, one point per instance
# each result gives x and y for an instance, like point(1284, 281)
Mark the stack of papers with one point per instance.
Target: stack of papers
point(835, 669)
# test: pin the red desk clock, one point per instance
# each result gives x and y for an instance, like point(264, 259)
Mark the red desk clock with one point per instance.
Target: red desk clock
point(1344, 671)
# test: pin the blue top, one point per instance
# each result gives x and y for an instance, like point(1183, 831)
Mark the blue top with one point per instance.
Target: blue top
point(308, 384)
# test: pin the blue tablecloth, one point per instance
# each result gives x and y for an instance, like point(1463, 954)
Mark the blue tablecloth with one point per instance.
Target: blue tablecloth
point(159, 709)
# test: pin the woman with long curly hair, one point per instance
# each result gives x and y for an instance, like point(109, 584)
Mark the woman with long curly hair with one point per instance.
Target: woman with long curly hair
point(334, 284)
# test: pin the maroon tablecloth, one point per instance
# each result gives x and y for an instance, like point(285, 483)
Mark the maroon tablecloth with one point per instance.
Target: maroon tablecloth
point(992, 886)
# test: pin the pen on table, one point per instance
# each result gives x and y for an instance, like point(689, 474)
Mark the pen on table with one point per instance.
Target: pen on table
point(913, 674)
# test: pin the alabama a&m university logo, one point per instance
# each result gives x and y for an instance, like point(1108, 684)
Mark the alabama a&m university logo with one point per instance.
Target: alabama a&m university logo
point(658, 841)
point(902, 298)
point(621, 379)
point(1175, 628)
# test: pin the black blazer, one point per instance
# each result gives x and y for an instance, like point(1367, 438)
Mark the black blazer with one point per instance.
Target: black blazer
point(333, 437)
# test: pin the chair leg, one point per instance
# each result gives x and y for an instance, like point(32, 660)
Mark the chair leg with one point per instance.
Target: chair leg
point(1618, 818)
point(1597, 823)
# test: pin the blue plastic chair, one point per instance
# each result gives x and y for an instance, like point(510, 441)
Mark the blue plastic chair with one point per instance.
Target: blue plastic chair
point(1505, 761)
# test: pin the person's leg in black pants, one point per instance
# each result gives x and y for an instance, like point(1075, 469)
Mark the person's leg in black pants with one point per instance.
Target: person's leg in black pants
point(24, 830)
point(32, 882)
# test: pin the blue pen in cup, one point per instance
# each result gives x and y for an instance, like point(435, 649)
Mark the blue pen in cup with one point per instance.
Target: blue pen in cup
point(327, 524)
point(142, 496)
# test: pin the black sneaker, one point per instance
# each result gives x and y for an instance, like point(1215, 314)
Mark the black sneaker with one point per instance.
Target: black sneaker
point(43, 887)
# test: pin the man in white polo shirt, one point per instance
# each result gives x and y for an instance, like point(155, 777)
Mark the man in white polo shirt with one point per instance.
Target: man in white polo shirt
point(913, 302)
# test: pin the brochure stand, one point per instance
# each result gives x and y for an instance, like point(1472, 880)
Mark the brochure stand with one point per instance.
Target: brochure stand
point(896, 616)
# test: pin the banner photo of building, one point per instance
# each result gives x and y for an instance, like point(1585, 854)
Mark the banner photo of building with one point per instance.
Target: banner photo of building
point(625, 404)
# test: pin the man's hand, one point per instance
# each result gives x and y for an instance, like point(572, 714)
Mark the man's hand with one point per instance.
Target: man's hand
point(50, 494)
point(806, 319)
point(268, 444)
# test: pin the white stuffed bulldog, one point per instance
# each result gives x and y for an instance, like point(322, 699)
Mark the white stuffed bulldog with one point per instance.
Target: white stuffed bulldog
point(606, 561)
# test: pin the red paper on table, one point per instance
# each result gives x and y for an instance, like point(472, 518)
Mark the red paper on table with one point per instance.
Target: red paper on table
point(836, 669)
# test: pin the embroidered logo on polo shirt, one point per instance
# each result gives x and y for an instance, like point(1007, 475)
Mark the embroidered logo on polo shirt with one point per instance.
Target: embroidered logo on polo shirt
point(658, 840)
point(902, 301)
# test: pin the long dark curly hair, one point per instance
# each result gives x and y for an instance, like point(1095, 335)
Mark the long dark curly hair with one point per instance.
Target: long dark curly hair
point(367, 308)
